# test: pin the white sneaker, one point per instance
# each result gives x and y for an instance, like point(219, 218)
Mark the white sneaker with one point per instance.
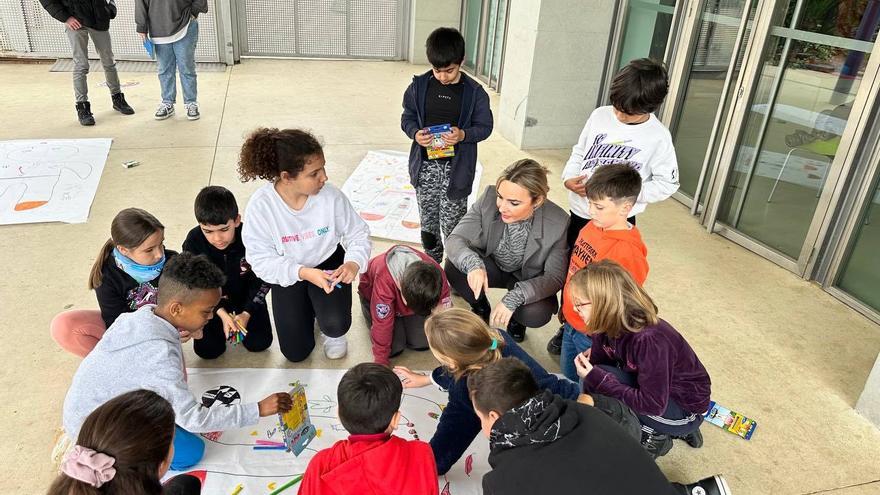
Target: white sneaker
point(192, 111)
point(335, 348)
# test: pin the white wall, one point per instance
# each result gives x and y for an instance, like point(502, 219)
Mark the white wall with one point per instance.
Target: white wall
point(426, 16)
point(869, 403)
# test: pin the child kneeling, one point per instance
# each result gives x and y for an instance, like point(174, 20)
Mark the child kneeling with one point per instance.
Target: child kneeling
point(371, 460)
point(143, 350)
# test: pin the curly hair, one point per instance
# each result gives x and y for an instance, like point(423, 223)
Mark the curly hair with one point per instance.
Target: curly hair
point(187, 273)
point(269, 151)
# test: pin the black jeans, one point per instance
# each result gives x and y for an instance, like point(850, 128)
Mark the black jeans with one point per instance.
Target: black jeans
point(213, 342)
point(576, 223)
point(533, 315)
point(295, 308)
point(409, 331)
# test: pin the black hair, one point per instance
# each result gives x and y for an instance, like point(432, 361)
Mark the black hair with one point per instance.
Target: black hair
point(502, 386)
point(215, 205)
point(187, 273)
point(618, 182)
point(421, 285)
point(444, 47)
point(269, 151)
point(640, 87)
point(369, 396)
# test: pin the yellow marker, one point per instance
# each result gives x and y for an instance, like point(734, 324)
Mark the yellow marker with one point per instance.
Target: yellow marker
point(238, 489)
point(271, 485)
point(318, 432)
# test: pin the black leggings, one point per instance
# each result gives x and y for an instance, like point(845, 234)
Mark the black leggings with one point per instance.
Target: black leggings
point(576, 223)
point(213, 342)
point(295, 308)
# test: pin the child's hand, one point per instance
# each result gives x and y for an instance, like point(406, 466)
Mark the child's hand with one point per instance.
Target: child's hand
point(228, 322)
point(275, 403)
point(582, 364)
point(345, 274)
point(143, 36)
point(586, 399)
point(478, 281)
point(185, 336)
point(410, 379)
point(577, 185)
point(72, 23)
point(500, 316)
point(317, 277)
point(424, 138)
point(453, 137)
point(243, 319)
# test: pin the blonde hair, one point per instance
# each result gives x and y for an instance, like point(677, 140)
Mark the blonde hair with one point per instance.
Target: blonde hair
point(618, 303)
point(528, 174)
point(462, 341)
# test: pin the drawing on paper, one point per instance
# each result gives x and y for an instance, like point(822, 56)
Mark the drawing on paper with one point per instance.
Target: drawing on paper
point(51, 180)
point(380, 191)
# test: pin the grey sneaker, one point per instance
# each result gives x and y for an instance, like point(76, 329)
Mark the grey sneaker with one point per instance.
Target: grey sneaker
point(164, 111)
point(192, 111)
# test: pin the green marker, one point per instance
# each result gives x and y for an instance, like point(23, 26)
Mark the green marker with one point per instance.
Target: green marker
point(287, 485)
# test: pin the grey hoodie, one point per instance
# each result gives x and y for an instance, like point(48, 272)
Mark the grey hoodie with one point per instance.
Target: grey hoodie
point(142, 350)
point(161, 18)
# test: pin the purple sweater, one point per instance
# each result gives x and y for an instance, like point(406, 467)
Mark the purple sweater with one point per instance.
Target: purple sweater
point(664, 364)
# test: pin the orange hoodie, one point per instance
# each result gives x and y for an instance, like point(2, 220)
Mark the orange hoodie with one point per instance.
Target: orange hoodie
point(594, 244)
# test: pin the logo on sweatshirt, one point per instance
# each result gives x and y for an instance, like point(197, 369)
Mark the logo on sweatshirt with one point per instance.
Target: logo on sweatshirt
point(223, 394)
point(382, 311)
point(305, 235)
point(602, 153)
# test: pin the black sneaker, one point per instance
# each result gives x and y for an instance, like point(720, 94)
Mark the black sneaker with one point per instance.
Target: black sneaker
point(120, 105)
point(657, 444)
point(554, 346)
point(482, 309)
point(84, 113)
point(164, 111)
point(516, 330)
point(713, 485)
point(694, 439)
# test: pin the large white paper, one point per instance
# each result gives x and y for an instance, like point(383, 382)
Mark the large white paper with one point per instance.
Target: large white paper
point(231, 459)
point(380, 190)
point(51, 180)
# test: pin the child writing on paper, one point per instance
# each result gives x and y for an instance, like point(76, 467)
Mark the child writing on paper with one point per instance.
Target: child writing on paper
point(125, 276)
point(243, 305)
point(142, 350)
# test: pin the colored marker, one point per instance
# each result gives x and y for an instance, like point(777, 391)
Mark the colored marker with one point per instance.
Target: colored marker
point(287, 485)
point(268, 442)
point(238, 489)
point(329, 272)
point(270, 447)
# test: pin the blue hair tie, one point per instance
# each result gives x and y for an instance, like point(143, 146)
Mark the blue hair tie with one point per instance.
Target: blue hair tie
point(494, 345)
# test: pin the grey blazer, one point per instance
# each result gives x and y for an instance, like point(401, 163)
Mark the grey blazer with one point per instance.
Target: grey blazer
point(545, 262)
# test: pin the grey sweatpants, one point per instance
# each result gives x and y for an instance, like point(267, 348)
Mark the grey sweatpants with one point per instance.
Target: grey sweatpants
point(79, 41)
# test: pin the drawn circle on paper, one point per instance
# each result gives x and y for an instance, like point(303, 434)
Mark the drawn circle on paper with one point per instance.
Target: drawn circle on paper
point(223, 394)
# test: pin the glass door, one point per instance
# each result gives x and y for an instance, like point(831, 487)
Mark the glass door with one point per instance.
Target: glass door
point(484, 24)
point(647, 30)
point(712, 66)
point(795, 126)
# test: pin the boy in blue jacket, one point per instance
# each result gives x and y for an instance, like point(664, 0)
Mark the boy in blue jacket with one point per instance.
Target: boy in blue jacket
point(444, 95)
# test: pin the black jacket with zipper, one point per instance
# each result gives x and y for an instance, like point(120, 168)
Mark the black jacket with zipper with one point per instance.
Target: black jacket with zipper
point(95, 14)
point(243, 291)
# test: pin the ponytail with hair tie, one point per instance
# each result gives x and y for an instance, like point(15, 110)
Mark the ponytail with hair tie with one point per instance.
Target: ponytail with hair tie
point(88, 466)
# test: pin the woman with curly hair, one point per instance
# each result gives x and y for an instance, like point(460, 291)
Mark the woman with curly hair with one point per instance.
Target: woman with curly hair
point(304, 237)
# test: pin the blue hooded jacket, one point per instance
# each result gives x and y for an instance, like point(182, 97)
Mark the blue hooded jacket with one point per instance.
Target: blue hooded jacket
point(476, 122)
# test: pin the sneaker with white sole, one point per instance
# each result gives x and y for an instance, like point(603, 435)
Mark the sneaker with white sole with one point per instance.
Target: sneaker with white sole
point(192, 111)
point(335, 348)
point(713, 485)
point(164, 111)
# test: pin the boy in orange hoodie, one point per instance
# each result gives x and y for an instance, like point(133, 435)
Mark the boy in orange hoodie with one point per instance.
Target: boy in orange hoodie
point(372, 460)
point(612, 191)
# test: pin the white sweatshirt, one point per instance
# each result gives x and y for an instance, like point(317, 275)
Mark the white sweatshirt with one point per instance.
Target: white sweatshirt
point(606, 140)
point(280, 240)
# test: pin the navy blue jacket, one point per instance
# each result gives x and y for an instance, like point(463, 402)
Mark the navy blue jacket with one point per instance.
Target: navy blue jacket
point(476, 122)
point(459, 424)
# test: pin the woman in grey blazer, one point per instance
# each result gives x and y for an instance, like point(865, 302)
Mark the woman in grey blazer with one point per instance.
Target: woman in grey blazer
point(513, 238)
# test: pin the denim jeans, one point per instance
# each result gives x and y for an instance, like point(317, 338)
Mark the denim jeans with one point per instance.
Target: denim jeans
point(573, 343)
point(180, 55)
point(188, 449)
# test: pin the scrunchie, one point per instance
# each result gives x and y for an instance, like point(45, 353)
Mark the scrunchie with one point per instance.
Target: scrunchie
point(88, 466)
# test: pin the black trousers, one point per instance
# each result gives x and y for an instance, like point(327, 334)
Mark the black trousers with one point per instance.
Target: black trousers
point(577, 223)
point(533, 315)
point(296, 307)
point(213, 343)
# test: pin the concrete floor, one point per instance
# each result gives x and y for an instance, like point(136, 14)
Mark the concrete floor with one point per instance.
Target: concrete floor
point(778, 348)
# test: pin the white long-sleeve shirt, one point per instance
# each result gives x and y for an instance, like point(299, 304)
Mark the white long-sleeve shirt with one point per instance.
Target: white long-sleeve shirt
point(606, 140)
point(280, 240)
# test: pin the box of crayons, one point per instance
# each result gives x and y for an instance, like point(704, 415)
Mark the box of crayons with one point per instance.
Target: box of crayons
point(438, 148)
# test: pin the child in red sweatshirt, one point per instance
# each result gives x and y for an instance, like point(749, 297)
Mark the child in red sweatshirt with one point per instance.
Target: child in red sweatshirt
point(612, 192)
point(372, 460)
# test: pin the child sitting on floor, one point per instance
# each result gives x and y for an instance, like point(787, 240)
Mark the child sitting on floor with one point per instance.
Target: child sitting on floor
point(463, 343)
point(243, 305)
point(400, 288)
point(371, 460)
point(124, 446)
point(541, 443)
point(638, 358)
point(142, 350)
